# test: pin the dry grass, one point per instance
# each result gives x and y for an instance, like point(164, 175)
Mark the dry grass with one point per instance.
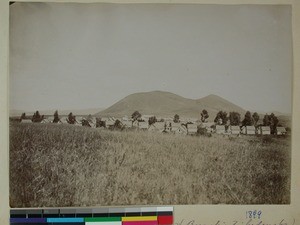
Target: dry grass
point(64, 165)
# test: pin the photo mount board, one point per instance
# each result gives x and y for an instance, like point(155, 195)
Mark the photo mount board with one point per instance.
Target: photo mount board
point(187, 214)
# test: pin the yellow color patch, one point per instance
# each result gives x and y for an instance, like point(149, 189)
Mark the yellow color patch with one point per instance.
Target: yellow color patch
point(139, 218)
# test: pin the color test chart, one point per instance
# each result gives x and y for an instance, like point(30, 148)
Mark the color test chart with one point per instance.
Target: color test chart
point(93, 216)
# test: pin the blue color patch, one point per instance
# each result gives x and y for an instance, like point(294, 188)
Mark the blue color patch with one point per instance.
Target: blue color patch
point(65, 220)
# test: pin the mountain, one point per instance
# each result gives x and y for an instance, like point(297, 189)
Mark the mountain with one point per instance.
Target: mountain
point(164, 104)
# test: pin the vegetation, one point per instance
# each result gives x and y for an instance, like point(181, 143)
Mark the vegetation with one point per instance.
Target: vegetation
point(36, 118)
point(248, 120)
point(221, 118)
point(136, 115)
point(56, 117)
point(152, 120)
point(23, 116)
point(234, 118)
point(272, 121)
point(255, 117)
point(204, 115)
point(67, 165)
point(71, 118)
point(176, 118)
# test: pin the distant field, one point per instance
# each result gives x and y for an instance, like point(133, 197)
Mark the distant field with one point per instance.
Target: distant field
point(65, 165)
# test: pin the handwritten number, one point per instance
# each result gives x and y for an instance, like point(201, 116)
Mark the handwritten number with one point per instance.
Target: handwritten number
point(255, 214)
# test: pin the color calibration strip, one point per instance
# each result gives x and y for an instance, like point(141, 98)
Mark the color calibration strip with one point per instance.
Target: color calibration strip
point(95, 216)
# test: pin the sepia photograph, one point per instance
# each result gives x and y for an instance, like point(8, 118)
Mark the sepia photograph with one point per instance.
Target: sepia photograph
point(149, 104)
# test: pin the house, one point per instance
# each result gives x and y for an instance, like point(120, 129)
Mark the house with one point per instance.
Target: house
point(143, 125)
point(127, 124)
point(157, 127)
point(180, 129)
point(50, 119)
point(109, 123)
point(92, 124)
point(234, 129)
point(135, 124)
point(125, 118)
point(250, 130)
point(220, 129)
point(146, 117)
point(45, 121)
point(26, 121)
point(192, 128)
point(63, 120)
point(265, 130)
point(281, 131)
point(168, 126)
point(78, 120)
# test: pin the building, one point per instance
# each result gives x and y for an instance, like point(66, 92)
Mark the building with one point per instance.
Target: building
point(192, 128)
point(250, 130)
point(143, 125)
point(220, 129)
point(235, 130)
point(179, 129)
point(26, 121)
point(157, 127)
point(281, 131)
point(265, 130)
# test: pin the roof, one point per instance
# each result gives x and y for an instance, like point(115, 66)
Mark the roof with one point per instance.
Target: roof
point(176, 125)
point(208, 124)
point(220, 127)
point(181, 127)
point(127, 123)
point(235, 128)
point(143, 125)
point(250, 127)
point(192, 127)
point(281, 129)
point(26, 121)
point(159, 125)
point(109, 122)
point(265, 128)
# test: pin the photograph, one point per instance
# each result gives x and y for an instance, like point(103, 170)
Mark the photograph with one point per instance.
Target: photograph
point(149, 104)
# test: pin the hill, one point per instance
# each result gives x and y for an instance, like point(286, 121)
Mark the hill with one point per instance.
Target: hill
point(161, 103)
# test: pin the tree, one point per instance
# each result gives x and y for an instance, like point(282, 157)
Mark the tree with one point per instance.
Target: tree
point(71, 118)
point(266, 120)
point(274, 122)
point(85, 123)
point(247, 121)
point(221, 118)
point(176, 118)
point(255, 117)
point(136, 115)
point(23, 116)
point(90, 118)
point(234, 118)
point(117, 124)
point(271, 121)
point(100, 123)
point(152, 120)
point(204, 115)
point(56, 117)
point(37, 118)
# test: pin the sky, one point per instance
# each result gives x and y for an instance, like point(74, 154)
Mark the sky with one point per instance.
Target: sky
point(80, 56)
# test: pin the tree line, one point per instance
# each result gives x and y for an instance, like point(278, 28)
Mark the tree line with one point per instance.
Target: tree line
point(222, 118)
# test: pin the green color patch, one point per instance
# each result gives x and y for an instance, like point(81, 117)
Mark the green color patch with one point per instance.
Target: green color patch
point(102, 219)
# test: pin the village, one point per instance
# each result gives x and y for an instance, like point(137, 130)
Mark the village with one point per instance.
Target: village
point(151, 123)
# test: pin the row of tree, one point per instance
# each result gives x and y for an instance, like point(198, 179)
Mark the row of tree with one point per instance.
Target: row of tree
point(222, 118)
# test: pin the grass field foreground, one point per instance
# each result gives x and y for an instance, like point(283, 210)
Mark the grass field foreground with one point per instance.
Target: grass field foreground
point(65, 165)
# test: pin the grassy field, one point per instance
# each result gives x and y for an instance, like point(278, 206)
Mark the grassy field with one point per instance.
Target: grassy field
point(64, 165)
